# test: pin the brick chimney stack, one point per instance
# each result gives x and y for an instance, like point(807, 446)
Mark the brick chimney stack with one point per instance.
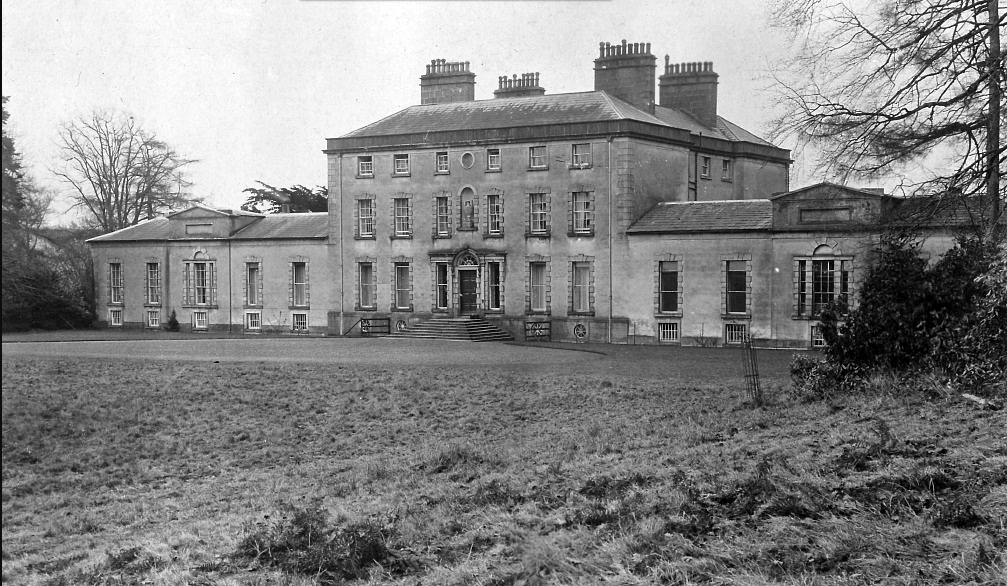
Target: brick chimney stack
point(627, 71)
point(447, 81)
point(691, 87)
point(519, 87)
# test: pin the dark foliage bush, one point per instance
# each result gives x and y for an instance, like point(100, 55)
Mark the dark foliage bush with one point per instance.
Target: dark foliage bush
point(36, 297)
point(172, 324)
point(302, 542)
point(949, 316)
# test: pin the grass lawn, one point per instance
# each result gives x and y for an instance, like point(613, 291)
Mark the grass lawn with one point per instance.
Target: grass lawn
point(624, 470)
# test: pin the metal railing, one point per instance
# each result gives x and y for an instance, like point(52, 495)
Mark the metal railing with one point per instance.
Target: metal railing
point(372, 326)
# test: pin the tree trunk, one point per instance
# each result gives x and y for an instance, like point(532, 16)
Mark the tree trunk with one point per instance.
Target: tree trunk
point(993, 128)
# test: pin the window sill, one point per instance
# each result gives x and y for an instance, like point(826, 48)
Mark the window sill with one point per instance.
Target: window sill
point(737, 316)
point(442, 172)
point(371, 237)
point(542, 235)
point(472, 229)
point(581, 313)
point(199, 307)
point(727, 180)
point(579, 167)
point(494, 170)
point(581, 234)
point(154, 304)
point(402, 309)
point(402, 237)
point(668, 314)
point(705, 177)
point(361, 308)
point(253, 306)
point(115, 304)
point(394, 175)
point(493, 235)
point(442, 236)
point(546, 168)
point(538, 313)
point(371, 176)
point(299, 307)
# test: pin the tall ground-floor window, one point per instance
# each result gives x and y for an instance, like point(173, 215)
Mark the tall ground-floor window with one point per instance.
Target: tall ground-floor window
point(737, 286)
point(821, 282)
point(153, 282)
point(201, 282)
point(403, 286)
point(494, 286)
point(538, 285)
point(441, 285)
point(299, 284)
point(115, 282)
point(668, 281)
point(253, 282)
point(366, 285)
point(580, 282)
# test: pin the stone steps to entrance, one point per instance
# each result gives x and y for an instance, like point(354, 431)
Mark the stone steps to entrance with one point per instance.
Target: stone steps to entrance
point(470, 329)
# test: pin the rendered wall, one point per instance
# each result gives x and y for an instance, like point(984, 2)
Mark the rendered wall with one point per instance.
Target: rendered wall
point(229, 262)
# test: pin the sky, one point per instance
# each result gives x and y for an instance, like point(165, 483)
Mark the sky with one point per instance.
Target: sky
point(252, 89)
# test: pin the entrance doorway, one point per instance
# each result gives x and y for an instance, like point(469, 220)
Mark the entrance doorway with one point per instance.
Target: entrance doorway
point(468, 285)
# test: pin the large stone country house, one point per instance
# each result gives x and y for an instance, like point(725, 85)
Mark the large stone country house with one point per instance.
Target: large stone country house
point(632, 213)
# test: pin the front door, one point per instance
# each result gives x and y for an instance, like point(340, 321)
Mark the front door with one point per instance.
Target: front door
point(468, 285)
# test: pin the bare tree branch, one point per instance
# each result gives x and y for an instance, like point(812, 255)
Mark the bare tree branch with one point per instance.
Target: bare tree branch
point(120, 173)
point(883, 88)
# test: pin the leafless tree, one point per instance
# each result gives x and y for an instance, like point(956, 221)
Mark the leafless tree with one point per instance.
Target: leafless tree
point(909, 87)
point(120, 173)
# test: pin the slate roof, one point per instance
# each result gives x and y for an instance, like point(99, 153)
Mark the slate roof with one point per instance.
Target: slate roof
point(270, 226)
point(706, 216)
point(154, 229)
point(307, 225)
point(725, 130)
point(595, 106)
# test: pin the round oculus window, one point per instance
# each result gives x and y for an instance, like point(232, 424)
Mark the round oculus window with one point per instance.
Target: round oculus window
point(400, 325)
point(580, 331)
point(468, 159)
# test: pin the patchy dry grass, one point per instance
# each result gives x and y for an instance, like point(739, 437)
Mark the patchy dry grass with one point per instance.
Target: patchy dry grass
point(180, 473)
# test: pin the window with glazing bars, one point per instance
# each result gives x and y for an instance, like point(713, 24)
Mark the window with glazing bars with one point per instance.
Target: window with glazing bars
point(537, 157)
point(153, 282)
point(401, 164)
point(494, 286)
point(403, 217)
point(252, 283)
point(365, 166)
point(493, 159)
point(441, 285)
point(115, 282)
point(737, 287)
point(403, 286)
point(299, 277)
point(443, 217)
point(581, 283)
point(494, 204)
point(583, 215)
point(668, 295)
point(538, 285)
point(539, 213)
point(365, 217)
point(366, 284)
